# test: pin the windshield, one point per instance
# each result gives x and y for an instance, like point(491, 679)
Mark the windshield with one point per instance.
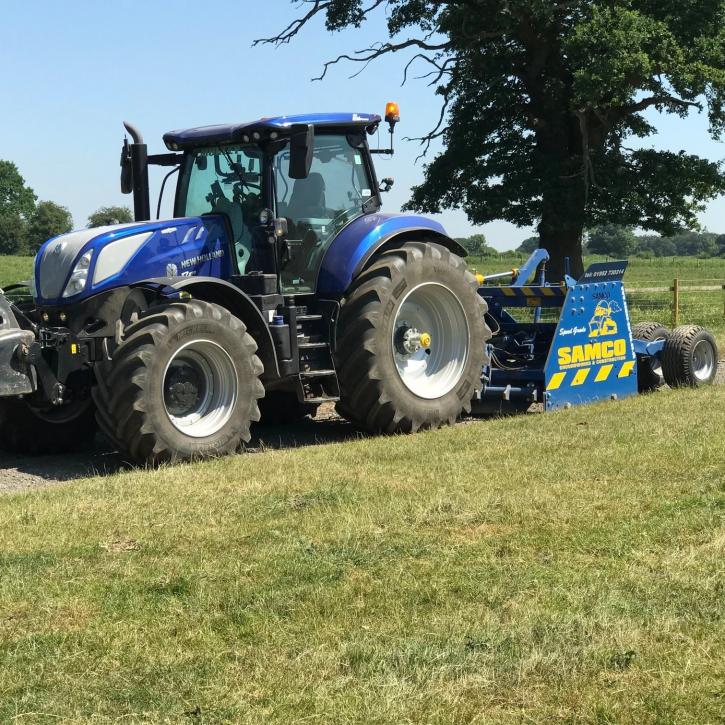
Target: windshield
point(317, 207)
point(226, 180)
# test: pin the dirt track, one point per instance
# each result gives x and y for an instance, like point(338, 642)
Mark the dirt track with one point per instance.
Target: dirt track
point(18, 473)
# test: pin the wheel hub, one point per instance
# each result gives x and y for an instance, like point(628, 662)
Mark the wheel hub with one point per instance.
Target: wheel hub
point(408, 340)
point(430, 340)
point(703, 360)
point(184, 389)
point(200, 388)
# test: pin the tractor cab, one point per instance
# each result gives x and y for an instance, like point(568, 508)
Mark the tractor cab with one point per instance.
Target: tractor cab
point(285, 187)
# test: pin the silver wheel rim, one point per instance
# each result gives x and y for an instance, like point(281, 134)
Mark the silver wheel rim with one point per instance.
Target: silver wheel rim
point(655, 363)
point(703, 360)
point(200, 388)
point(430, 371)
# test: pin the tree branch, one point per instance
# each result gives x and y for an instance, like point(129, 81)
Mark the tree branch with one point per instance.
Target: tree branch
point(296, 25)
point(660, 100)
point(441, 69)
point(383, 49)
point(437, 131)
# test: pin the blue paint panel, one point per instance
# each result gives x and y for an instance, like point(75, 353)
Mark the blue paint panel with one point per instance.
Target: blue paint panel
point(225, 133)
point(592, 356)
point(191, 246)
point(358, 238)
point(604, 272)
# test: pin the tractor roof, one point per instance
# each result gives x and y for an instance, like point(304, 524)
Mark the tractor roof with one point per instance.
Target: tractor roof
point(231, 132)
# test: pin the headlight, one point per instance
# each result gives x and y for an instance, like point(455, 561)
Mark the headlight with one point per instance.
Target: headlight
point(79, 276)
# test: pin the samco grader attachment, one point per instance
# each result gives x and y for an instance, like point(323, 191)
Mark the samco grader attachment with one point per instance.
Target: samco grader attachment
point(279, 285)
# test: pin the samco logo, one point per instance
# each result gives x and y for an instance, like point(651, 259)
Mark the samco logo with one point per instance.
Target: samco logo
point(602, 323)
point(592, 352)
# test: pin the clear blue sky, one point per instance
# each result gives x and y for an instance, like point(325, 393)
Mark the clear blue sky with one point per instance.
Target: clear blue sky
point(71, 72)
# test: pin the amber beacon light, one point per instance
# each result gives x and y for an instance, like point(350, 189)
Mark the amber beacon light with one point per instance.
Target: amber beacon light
point(392, 114)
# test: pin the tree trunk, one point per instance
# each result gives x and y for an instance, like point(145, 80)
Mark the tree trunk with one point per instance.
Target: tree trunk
point(562, 218)
point(562, 242)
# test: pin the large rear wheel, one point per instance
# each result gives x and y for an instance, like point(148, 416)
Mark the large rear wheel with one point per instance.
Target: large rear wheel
point(184, 384)
point(411, 341)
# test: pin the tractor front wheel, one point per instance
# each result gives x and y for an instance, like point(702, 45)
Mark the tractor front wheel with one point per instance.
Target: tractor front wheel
point(184, 384)
point(411, 341)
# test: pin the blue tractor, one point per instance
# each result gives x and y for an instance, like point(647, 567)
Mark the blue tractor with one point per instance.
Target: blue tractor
point(279, 285)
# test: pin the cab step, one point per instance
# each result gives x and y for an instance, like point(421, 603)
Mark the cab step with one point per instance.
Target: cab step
point(311, 345)
point(328, 399)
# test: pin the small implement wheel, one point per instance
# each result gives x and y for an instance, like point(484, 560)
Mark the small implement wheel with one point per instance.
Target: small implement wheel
point(27, 429)
point(410, 341)
point(649, 369)
point(183, 385)
point(690, 357)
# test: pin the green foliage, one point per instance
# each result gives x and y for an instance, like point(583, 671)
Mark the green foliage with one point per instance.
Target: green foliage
point(17, 202)
point(539, 98)
point(47, 220)
point(108, 215)
point(476, 245)
point(528, 246)
point(616, 241)
point(720, 241)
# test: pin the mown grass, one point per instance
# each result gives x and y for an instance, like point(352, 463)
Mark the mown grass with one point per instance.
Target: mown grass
point(559, 568)
point(14, 269)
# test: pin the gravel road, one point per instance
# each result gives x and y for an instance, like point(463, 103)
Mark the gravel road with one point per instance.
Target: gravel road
point(19, 473)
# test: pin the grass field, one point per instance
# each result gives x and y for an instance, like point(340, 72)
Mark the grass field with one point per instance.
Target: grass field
point(560, 569)
point(14, 269)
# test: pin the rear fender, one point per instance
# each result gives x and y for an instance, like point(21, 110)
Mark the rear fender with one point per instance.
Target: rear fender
point(363, 239)
point(226, 295)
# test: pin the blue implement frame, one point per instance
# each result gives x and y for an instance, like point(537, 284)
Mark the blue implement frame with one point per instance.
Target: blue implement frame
point(587, 355)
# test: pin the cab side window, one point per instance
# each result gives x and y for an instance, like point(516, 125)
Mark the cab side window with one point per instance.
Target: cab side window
point(316, 208)
point(228, 181)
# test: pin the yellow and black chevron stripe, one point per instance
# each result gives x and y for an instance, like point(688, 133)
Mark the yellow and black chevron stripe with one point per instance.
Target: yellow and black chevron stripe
point(594, 373)
point(533, 291)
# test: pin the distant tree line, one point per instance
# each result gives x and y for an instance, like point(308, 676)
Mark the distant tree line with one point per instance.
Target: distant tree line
point(26, 223)
point(618, 241)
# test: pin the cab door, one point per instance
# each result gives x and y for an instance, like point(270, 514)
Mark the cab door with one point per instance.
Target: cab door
point(318, 207)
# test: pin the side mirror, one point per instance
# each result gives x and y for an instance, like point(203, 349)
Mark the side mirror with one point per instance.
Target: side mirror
point(126, 173)
point(302, 144)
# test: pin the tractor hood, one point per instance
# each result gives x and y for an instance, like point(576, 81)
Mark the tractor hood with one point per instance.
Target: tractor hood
point(74, 266)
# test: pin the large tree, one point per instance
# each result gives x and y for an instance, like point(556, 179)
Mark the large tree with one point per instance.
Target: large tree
point(47, 220)
point(17, 203)
point(539, 98)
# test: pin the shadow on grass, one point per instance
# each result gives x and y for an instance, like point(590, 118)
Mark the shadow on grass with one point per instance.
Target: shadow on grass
point(18, 472)
point(23, 472)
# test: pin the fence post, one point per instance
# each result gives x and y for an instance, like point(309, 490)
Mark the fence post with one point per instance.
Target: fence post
point(676, 302)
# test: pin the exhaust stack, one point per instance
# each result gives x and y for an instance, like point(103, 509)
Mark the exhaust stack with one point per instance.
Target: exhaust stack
point(135, 173)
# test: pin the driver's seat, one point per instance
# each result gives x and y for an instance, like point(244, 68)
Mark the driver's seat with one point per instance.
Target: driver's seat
point(308, 198)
